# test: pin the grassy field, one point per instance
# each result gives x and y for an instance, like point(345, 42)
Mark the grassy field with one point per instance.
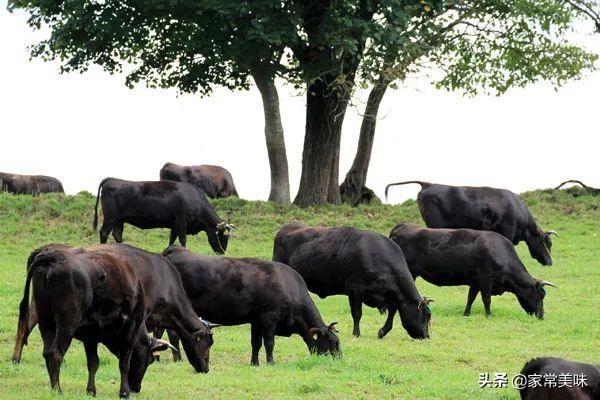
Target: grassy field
point(445, 367)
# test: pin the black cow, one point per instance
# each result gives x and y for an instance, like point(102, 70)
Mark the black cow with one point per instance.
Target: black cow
point(215, 181)
point(108, 294)
point(29, 184)
point(182, 207)
point(483, 260)
point(582, 380)
point(365, 266)
point(482, 208)
point(269, 296)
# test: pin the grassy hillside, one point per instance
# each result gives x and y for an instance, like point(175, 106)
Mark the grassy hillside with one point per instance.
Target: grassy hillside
point(447, 366)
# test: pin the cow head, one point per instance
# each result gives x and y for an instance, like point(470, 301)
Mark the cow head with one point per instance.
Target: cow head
point(540, 247)
point(325, 340)
point(142, 357)
point(416, 318)
point(197, 346)
point(219, 238)
point(532, 299)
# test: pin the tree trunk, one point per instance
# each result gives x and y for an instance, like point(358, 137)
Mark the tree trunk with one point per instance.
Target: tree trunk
point(325, 110)
point(280, 182)
point(353, 189)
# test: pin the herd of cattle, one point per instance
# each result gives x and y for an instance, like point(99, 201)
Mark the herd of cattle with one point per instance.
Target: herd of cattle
point(116, 294)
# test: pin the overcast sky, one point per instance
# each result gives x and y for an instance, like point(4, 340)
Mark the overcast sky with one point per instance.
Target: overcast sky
point(82, 128)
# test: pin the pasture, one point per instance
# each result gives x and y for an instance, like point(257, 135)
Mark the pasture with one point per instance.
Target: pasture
point(445, 367)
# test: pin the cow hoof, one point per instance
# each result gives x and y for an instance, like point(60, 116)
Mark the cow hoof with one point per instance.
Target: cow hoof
point(124, 395)
point(381, 334)
point(466, 314)
point(91, 392)
point(254, 363)
point(16, 360)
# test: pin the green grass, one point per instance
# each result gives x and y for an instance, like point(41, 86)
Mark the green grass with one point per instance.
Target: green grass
point(445, 367)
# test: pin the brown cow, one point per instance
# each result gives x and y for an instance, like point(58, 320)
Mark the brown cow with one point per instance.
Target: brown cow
point(29, 184)
point(108, 294)
point(215, 181)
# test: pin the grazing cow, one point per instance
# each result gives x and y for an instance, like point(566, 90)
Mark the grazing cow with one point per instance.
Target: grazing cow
point(215, 181)
point(269, 296)
point(482, 208)
point(365, 266)
point(162, 204)
point(29, 184)
point(546, 372)
point(483, 260)
point(108, 294)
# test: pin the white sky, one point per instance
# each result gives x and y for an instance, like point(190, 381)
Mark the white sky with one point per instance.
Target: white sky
point(82, 128)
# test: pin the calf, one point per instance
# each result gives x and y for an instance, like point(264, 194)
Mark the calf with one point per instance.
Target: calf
point(365, 266)
point(29, 184)
point(546, 368)
point(483, 208)
point(269, 296)
point(107, 294)
point(215, 181)
point(181, 207)
point(485, 261)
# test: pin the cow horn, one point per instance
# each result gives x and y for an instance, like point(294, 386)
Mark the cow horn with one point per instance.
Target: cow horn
point(546, 283)
point(231, 226)
point(552, 232)
point(209, 325)
point(169, 345)
point(424, 302)
point(331, 326)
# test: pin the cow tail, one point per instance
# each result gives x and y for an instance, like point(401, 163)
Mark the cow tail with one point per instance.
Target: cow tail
point(95, 223)
point(35, 260)
point(24, 305)
point(404, 183)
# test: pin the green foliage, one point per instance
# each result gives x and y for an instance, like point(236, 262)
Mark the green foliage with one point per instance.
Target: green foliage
point(444, 367)
point(488, 45)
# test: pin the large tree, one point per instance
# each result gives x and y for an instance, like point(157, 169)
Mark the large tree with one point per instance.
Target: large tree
point(487, 46)
point(324, 47)
point(190, 46)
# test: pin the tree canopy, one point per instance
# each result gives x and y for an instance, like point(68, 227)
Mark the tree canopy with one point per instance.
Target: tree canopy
point(323, 47)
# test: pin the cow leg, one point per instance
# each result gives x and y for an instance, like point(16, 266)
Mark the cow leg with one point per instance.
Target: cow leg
point(181, 229)
point(48, 330)
point(91, 352)
point(23, 331)
point(389, 323)
point(182, 239)
point(356, 311)
point(256, 341)
point(124, 361)
point(269, 340)
point(473, 290)
point(174, 340)
point(54, 357)
point(172, 237)
point(486, 296)
point(117, 232)
point(107, 226)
